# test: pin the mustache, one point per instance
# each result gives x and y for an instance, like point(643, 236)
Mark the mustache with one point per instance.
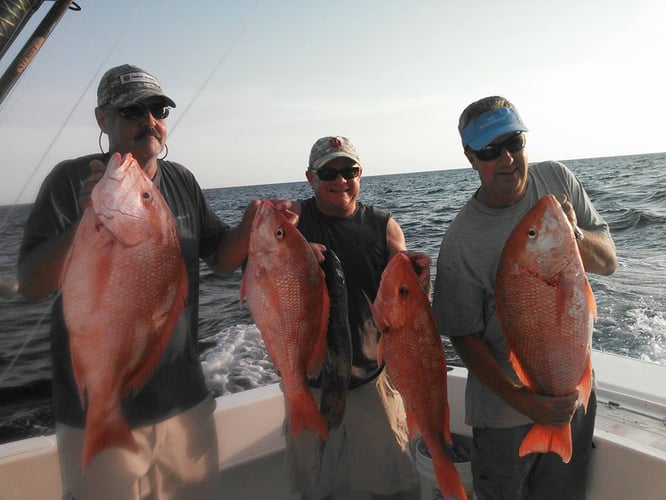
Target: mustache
point(145, 132)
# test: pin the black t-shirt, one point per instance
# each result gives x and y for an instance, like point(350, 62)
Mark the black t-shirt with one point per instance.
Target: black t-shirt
point(177, 383)
point(360, 243)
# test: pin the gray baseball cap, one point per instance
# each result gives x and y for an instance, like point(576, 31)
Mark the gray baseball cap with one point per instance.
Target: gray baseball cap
point(126, 85)
point(328, 148)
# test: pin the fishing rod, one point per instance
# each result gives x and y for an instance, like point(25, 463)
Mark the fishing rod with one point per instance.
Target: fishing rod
point(13, 17)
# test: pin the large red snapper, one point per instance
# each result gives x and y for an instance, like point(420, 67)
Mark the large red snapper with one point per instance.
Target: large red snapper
point(547, 311)
point(124, 284)
point(412, 349)
point(286, 292)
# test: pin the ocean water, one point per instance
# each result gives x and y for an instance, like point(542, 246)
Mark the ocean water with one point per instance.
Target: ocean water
point(629, 191)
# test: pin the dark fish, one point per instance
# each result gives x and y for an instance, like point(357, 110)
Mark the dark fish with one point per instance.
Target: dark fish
point(336, 372)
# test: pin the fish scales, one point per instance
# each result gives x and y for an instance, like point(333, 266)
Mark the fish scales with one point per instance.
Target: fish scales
point(124, 284)
point(547, 311)
point(411, 347)
point(286, 293)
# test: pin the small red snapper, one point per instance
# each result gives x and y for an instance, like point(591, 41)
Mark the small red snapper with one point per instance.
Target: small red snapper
point(547, 311)
point(412, 349)
point(286, 292)
point(123, 286)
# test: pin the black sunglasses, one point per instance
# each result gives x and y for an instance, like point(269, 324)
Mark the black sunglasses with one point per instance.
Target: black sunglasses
point(329, 174)
point(136, 111)
point(513, 144)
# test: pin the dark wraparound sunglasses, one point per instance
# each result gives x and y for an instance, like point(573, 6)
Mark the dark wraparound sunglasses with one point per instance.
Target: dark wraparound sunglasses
point(513, 144)
point(329, 174)
point(137, 111)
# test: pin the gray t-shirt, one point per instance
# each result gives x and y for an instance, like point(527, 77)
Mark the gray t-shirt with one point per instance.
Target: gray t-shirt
point(463, 297)
point(177, 383)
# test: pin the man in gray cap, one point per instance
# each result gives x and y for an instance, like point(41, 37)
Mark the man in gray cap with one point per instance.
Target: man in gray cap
point(171, 416)
point(369, 451)
point(500, 409)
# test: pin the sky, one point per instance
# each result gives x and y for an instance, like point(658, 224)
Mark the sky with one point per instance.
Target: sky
point(256, 82)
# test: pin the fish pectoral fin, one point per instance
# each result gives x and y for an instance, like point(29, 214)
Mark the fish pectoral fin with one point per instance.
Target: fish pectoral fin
point(377, 316)
point(591, 302)
point(585, 385)
point(380, 351)
point(520, 372)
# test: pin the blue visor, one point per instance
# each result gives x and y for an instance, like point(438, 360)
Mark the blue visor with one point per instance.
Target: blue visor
point(488, 126)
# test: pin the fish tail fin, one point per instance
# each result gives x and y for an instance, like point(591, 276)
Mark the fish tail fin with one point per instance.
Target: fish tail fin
point(447, 476)
point(304, 414)
point(106, 431)
point(545, 438)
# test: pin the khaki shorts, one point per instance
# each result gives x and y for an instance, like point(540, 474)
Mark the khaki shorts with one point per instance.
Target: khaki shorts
point(177, 459)
point(368, 452)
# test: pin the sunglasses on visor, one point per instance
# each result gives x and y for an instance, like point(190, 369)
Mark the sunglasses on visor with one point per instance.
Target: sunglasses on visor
point(136, 111)
point(513, 144)
point(329, 174)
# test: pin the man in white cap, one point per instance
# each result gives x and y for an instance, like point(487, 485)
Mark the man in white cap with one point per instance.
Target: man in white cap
point(369, 451)
point(499, 409)
point(171, 416)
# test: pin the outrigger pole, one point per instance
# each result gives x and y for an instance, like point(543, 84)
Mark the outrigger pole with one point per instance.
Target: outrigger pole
point(13, 16)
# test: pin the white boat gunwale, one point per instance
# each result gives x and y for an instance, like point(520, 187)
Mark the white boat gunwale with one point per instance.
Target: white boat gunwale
point(630, 438)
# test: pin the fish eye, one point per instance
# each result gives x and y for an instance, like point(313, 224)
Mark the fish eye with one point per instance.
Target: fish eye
point(403, 290)
point(532, 233)
point(146, 195)
point(279, 233)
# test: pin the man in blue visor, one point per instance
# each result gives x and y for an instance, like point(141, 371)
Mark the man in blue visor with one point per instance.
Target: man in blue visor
point(500, 409)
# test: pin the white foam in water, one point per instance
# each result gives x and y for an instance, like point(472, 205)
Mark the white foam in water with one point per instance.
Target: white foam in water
point(238, 361)
point(649, 324)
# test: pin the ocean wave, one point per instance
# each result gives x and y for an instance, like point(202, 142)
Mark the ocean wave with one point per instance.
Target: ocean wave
point(633, 218)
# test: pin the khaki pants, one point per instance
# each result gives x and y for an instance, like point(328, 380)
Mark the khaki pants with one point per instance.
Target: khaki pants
point(177, 459)
point(369, 452)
